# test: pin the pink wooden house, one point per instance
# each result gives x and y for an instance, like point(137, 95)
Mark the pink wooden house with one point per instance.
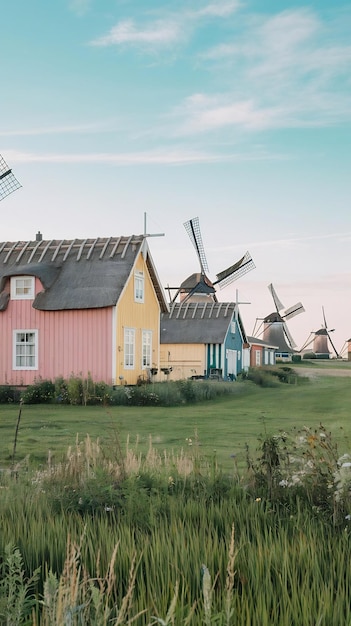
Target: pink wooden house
point(79, 307)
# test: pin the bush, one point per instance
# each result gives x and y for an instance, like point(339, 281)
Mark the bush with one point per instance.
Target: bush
point(41, 392)
point(309, 355)
point(261, 377)
point(8, 394)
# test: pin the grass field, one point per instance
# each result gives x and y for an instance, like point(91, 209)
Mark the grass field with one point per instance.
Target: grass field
point(223, 426)
point(102, 540)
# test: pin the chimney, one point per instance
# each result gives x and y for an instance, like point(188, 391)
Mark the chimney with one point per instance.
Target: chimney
point(38, 236)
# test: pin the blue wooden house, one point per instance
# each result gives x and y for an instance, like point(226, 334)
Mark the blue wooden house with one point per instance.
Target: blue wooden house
point(203, 339)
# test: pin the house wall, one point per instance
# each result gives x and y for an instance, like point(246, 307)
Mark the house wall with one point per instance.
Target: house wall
point(234, 341)
point(138, 316)
point(256, 356)
point(186, 360)
point(69, 342)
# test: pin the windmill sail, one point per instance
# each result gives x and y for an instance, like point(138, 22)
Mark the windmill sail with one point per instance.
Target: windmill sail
point(278, 304)
point(293, 310)
point(241, 267)
point(192, 227)
point(8, 182)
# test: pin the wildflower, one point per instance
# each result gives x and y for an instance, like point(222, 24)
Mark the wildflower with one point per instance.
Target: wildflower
point(348, 517)
point(283, 483)
point(258, 499)
point(171, 481)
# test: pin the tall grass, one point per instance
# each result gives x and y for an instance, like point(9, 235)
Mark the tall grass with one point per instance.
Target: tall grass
point(169, 539)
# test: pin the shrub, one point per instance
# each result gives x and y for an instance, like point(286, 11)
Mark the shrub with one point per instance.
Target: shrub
point(309, 355)
point(8, 394)
point(261, 377)
point(41, 392)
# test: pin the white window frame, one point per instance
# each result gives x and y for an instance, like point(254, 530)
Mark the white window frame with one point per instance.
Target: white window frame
point(146, 349)
point(28, 354)
point(22, 287)
point(129, 348)
point(139, 286)
point(257, 357)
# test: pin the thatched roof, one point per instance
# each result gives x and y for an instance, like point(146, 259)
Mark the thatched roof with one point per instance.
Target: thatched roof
point(78, 273)
point(198, 322)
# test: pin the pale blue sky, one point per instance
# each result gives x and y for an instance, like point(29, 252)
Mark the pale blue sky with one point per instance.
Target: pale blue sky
point(236, 112)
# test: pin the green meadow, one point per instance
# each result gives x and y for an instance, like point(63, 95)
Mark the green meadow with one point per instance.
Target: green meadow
point(223, 427)
point(234, 511)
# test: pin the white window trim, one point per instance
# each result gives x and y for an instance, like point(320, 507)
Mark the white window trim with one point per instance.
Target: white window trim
point(14, 284)
point(257, 357)
point(14, 356)
point(131, 332)
point(146, 342)
point(139, 286)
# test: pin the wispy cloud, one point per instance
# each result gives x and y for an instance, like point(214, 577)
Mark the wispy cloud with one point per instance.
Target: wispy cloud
point(218, 9)
point(169, 30)
point(159, 33)
point(152, 157)
point(57, 130)
point(161, 156)
point(79, 7)
point(288, 73)
point(291, 243)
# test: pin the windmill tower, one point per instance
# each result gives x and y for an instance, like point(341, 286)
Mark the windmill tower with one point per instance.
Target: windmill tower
point(275, 329)
point(320, 340)
point(198, 287)
point(8, 182)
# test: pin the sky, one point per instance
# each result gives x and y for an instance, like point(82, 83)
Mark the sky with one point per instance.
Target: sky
point(236, 112)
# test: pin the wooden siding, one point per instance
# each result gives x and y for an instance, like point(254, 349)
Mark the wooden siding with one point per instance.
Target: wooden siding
point(139, 316)
point(69, 342)
point(186, 360)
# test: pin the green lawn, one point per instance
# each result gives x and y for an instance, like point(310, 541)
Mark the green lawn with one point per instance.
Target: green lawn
point(223, 427)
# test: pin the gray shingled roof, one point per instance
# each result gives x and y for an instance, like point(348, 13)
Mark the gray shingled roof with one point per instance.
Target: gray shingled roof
point(197, 322)
point(260, 342)
point(76, 274)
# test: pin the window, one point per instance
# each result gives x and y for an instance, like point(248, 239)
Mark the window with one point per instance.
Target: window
point(258, 357)
point(146, 348)
point(129, 348)
point(139, 287)
point(25, 349)
point(232, 327)
point(22, 287)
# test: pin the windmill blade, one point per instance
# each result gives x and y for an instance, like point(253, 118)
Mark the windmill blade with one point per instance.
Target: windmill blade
point(278, 304)
point(241, 267)
point(324, 320)
point(334, 348)
point(296, 309)
point(289, 337)
point(8, 182)
point(192, 227)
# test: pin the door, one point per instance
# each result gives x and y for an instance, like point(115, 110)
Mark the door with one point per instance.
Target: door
point(231, 363)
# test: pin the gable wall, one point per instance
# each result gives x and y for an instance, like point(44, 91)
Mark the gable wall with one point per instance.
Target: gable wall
point(140, 316)
point(69, 342)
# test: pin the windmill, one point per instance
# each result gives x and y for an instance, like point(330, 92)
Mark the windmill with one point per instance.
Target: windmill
point(198, 286)
point(8, 182)
point(320, 340)
point(275, 329)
